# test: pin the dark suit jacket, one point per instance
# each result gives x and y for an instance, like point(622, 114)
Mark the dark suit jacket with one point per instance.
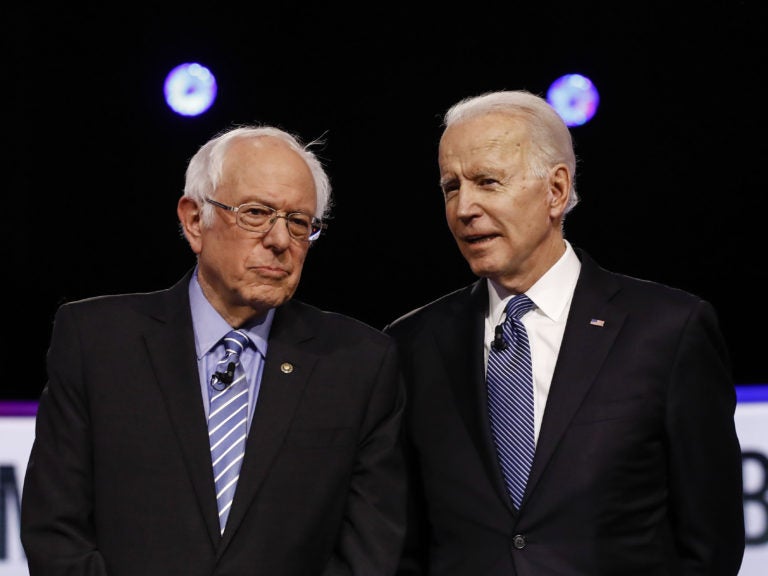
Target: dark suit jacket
point(119, 480)
point(637, 468)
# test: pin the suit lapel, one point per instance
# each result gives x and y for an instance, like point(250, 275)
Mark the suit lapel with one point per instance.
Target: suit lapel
point(171, 348)
point(285, 377)
point(583, 350)
point(460, 340)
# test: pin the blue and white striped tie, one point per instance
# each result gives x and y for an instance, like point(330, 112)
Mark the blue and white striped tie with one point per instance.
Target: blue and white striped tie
point(510, 399)
point(228, 421)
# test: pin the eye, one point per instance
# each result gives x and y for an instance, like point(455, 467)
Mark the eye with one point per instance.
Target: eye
point(257, 211)
point(299, 221)
point(449, 188)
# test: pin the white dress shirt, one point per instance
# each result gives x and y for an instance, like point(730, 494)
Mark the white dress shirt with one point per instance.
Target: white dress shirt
point(545, 323)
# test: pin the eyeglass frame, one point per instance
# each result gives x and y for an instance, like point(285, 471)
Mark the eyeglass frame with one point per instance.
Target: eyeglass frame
point(314, 222)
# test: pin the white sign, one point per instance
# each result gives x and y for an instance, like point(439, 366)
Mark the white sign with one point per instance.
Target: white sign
point(752, 428)
point(17, 434)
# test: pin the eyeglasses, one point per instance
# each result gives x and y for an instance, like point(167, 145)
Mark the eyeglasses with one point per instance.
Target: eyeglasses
point(260, 219)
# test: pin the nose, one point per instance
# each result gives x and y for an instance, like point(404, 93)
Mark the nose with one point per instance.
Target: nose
point(464, 204)
point(277, 237)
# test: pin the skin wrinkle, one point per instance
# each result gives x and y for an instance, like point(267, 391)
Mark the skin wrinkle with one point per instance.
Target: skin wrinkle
point(499, 213)
point(242, 273)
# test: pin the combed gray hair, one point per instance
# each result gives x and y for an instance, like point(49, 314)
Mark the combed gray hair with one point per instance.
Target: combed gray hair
point(204, 171)
point(550, 136)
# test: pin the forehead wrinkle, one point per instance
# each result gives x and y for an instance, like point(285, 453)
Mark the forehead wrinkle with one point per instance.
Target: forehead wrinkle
point(487, 160)
point(492, 150)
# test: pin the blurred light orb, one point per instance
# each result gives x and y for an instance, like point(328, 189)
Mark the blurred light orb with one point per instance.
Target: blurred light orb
point(575, 98)
point(190, 89)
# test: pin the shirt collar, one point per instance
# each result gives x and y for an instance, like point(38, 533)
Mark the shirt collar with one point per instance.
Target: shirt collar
point(210, 327)
point(551, 293)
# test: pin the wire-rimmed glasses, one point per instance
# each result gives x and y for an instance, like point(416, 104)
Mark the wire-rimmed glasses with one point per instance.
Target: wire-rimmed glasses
point(259, 218)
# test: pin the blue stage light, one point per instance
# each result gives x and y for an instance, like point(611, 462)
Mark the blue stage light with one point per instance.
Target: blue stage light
point(190, 89)
point(575, 98)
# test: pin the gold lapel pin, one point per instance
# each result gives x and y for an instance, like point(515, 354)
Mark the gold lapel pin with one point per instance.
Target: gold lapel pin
point(286, 367)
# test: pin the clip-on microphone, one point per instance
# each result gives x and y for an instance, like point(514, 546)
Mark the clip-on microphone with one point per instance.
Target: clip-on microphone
point(499, 343)
point(225, 378)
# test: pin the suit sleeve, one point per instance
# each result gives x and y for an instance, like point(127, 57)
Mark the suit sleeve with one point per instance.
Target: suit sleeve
point(57, 531)
point(371, 536)
point(704, 453)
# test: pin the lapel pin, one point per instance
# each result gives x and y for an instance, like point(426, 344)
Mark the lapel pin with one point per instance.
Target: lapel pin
point(286, 367)
point(596, 322)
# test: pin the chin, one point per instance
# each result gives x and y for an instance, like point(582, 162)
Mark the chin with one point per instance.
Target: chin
point(269, 296)
point(481, 268)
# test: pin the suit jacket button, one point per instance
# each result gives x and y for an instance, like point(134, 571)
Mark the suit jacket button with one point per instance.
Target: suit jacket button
point(518, 541)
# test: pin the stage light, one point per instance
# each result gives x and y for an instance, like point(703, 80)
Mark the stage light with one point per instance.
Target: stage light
point(575, 98)
point(190, 89)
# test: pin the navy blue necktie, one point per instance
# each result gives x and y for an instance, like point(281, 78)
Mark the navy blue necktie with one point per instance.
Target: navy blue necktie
point(510, 398)
point(228, 421)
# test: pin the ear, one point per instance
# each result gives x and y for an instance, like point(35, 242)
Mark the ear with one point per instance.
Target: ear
point(189, 216)
point(559, 190)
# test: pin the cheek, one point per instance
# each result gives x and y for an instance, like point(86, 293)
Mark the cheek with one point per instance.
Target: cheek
point(298, 256)
point(450, 214)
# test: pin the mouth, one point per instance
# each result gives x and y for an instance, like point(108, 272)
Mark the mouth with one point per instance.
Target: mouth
point(479, 239)
point(271, 272)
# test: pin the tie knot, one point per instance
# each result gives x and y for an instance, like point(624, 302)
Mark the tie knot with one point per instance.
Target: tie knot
point(235, 342)
point(518, 306)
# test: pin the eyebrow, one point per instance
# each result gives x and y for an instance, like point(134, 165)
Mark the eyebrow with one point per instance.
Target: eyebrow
point(291, 211)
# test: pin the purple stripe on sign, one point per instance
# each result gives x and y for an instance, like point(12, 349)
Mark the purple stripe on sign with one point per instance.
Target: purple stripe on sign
point(18, 407)
point(752, 393)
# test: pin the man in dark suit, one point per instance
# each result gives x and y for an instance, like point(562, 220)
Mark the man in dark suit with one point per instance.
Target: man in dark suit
point(636, 466)
point(120, 478)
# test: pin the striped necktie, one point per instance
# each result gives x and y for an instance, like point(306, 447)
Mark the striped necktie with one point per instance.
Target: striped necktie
point(228, 421)
point(510, 398)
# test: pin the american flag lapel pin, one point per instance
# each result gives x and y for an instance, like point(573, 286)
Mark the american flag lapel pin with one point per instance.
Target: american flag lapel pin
point(596, 322)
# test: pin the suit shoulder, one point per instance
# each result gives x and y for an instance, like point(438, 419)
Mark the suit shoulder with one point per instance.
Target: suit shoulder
point(640, 290)
point(137, 299)
point(431, 312)
point(119, 311)
point(106, 302)
point(657, 292)
point(342, 325)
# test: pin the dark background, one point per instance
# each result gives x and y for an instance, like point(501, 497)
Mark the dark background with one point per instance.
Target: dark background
point(670, 172)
